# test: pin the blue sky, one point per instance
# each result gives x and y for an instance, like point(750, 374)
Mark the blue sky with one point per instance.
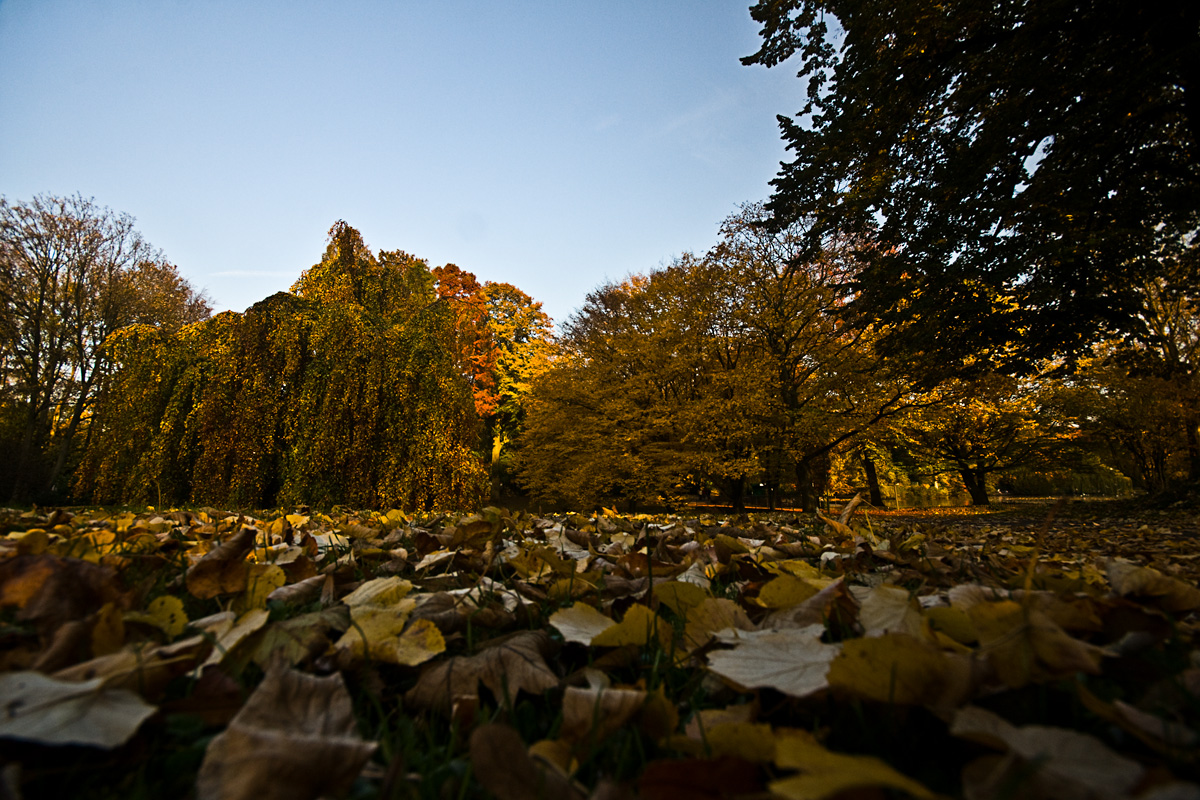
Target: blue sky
point(552, 145)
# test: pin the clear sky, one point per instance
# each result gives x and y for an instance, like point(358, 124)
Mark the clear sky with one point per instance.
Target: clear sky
point(552, 145)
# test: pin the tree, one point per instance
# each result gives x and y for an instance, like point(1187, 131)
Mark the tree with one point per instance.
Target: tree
point(522, 335)
point(981, 427)
point(734, 367)
point(346, 390)
point(826, 383)
point(1013, 171)
point(71, 274)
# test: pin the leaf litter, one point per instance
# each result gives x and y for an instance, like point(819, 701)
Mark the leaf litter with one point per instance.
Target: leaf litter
point(300, 654)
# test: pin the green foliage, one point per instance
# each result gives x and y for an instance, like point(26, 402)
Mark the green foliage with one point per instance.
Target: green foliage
point(344, 391)
point(1016, 170)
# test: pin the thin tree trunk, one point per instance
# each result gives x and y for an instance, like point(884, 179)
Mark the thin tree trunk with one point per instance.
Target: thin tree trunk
point(876, 496)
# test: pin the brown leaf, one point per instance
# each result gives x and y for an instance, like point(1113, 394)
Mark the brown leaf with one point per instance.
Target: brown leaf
point(513, 663)
point(295, 738)
point(223, 570)
point(501, 763)
point(593, 714)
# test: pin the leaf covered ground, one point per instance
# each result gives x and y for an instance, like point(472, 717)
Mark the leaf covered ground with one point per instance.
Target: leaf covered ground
point(1045, 652)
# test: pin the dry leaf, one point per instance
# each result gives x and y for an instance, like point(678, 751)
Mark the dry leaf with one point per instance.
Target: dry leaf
point(638, 627)
point(794, 662)
point(710, 616)
point(501, 763)
point(826, 774)
point(1168, 593)
point(580, 623)
point(893, 668)
point(510, 665)
point(295, 738)
point(890, 609)
point(591, 715)
point(49, 711)
point(1069, 765)
point(1025, 646)
point(223, 570)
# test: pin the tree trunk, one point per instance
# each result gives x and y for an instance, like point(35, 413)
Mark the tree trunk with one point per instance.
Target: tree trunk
point(1193, 446)
point(976, 481)
point(737, 494)
point(806, 486)
point(876, 496)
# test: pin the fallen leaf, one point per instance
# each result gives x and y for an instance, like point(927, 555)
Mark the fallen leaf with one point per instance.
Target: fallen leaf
point(794, 662)
point(1170, 594)
point(826, 774)
point(49, 711)
point(296, 737)
point(893, 668)
point(580, 623)
point(1069, 765)
point(223, 570)
point(710, 616)
point(592, 715)
point(890, 609)
point(502, 764)
point(638, 627)
point(1025, 646)
point(506, 667)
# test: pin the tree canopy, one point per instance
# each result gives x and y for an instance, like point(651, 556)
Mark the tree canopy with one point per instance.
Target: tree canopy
point(1012, 171)
point(71, 274)
point(347, 390)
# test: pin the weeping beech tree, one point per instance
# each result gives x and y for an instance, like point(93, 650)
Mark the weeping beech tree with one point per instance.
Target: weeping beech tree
point(343, 391)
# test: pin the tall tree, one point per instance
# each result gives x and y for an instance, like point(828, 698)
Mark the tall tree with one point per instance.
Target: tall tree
point(346, 390)
point(1014, 169)
point(71, 274)
point(728, 368)
point(982, 427)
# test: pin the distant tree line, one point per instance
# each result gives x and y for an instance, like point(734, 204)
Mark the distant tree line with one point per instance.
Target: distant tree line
point(375, 382)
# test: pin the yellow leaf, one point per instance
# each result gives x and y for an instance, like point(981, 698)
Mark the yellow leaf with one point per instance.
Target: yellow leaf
point(1025, 646)
point(418, 643)
point(894, 668)
point(954, 622)
point(372, 627)
point(638, 627)
point(167, 613)
point(108, 632)
point(679, 596)
point(710, 616)
point(785, 591)
point(261, 580)
point(379, 592)
point(826, 774)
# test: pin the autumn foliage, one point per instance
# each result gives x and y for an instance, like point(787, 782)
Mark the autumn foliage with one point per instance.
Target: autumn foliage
point(344, 391)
